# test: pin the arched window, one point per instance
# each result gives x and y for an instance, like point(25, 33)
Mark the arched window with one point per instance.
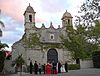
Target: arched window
point(68, 21)
point(51, 36)
point(30, 18)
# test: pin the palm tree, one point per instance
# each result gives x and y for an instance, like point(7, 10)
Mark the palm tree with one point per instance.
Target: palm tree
point(3, 45)
point(2, 55)
point(1, 26)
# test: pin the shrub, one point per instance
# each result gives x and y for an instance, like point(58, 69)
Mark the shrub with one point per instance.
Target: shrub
point(73, 66)
point(96, 59)
point(2, 59)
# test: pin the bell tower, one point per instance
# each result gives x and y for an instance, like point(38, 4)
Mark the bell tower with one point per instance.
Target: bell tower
point(29, 17)
point(66, 19)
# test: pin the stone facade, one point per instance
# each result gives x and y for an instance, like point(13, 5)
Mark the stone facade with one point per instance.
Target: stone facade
point(49, 36)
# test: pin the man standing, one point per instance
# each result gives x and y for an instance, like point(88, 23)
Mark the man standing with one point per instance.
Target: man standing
point(44, 68)
point(54, 70)
point(39, 67)
point(59, 67)
point(66, 66)
point(31, 67)
point(35, 68)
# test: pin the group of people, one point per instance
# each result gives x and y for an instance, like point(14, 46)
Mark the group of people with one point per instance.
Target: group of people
point(49, 68)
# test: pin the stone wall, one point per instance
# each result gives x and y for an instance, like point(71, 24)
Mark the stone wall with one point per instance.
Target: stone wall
point(86, 63)
point(8, 68)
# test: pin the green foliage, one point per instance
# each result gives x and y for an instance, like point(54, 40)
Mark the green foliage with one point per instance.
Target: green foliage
point(96, 59)
point(1, 24)
point(2, 55)
point(33, 40)
point(73, 66)
point(3, 45)
point(19, 61)
point(94, 34)
point(85, 38)
point(76, 42)
point(56, 45)
point(89, 13)
point(2, 59)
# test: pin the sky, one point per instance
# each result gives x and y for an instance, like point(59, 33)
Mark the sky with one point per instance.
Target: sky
point(46, 11)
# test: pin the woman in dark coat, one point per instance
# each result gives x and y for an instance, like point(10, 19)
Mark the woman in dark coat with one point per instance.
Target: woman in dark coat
point(59, 67)
point(35, 68)
point(31, 66)
point(66, 66)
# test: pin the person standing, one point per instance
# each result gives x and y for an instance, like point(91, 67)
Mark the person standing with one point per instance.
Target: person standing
point(44, 68)
point(66, 66)
point(63, 68)
point(31, 67)
point(59, 67)
point(48, 68)
point(39, 66)
point(35, 68)
point(54, 70)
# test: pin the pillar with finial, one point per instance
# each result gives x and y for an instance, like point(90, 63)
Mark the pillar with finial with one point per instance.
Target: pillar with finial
point(51, 23)
point(58, 26)
point(29, 4)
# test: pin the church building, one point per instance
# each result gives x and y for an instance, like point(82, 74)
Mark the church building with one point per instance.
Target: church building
point(50, 37)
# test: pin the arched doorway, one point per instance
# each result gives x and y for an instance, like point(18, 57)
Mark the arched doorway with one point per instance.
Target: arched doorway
point(52, 55)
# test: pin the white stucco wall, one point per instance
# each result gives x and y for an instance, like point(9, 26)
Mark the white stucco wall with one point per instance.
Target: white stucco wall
point(86, 64)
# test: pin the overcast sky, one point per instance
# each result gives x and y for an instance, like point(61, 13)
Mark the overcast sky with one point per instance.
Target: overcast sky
point(46, 11)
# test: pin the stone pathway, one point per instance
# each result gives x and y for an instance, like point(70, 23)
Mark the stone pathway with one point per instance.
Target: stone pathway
point(81, 72)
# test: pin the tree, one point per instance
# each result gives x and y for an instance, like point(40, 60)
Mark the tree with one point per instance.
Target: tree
point(89, 13)
point(2, 59)
point(1, 26)
point(94, 34)
point(33, 40)
point(2, 55)
point(84, 38)
point(90, 18)
point(76, 42)
point(96, 59)
point(3, 45)
point(19, 61)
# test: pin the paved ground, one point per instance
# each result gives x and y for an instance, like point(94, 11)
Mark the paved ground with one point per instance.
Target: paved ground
point(81, 72)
